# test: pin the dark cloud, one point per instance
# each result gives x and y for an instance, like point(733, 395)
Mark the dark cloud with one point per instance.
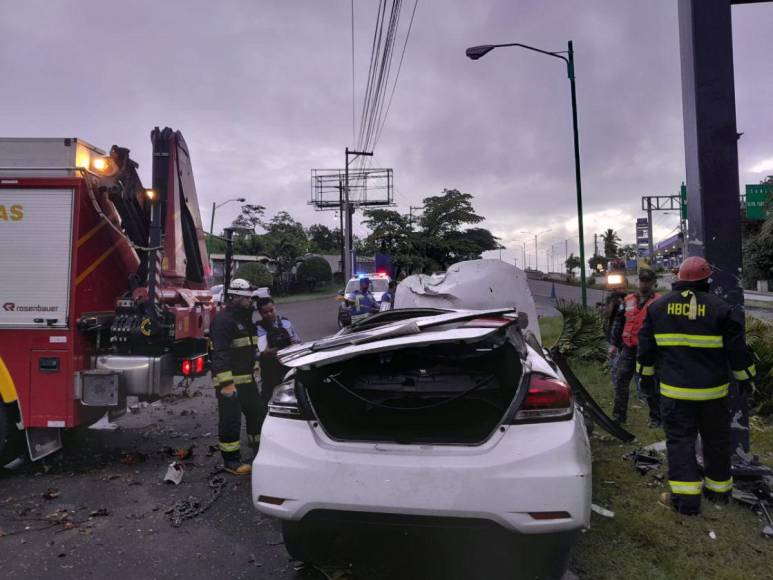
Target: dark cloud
point(262, 92)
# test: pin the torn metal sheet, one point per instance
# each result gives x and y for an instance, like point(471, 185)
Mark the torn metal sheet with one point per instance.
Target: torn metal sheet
point(471, 285)
point(587, 402)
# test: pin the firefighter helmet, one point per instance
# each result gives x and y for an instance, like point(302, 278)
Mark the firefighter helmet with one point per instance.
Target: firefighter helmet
point(240, 287)
point(694, 269)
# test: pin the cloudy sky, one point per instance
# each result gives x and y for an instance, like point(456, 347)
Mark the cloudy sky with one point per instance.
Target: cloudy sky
point(262, 91)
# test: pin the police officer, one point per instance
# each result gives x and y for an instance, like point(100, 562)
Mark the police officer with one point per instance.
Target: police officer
point(274, 333)
point(234, 338)
point(694, 339)
point(364, 301)
point(388, 299)
point(623, 342)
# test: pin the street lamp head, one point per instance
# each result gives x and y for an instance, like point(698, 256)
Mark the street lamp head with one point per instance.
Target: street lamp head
point(476, 52)
point(241, 199)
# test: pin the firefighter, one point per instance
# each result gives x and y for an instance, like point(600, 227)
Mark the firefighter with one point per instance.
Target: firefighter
point(274, 333)
point(234, 338)
point(695, 339)
point(623, 342)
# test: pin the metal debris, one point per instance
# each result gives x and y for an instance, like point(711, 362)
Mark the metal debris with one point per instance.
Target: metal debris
point(602, 511)
point(186, 509)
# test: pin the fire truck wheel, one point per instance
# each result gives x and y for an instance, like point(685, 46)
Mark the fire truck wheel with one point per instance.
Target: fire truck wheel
point(4, 431)
point(8, 434)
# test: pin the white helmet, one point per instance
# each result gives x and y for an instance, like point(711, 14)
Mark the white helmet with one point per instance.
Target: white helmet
point(240, 287)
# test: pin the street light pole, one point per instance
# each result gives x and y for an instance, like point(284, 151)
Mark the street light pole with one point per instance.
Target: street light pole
point(536, 251)
point(214, 208)
point(476, 52)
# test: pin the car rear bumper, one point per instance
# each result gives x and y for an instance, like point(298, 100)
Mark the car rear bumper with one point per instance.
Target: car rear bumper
point(525, 469)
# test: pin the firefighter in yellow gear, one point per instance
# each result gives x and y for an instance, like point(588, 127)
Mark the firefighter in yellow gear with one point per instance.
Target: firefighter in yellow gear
point(234, 342)
point(693, 340)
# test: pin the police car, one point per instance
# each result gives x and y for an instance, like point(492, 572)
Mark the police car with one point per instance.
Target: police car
point(379, 284)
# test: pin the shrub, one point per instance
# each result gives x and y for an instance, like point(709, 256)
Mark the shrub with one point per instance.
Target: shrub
point(314, 270)
point(583, 333)
point(759, 337)
point(256, 274)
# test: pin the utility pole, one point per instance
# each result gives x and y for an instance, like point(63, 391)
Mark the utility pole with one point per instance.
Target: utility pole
point(348, 211)
point(595, 244)
point(649, 232)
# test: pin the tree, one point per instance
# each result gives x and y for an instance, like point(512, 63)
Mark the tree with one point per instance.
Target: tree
point(572, 263)
point(251, 216)
point(447, 213)
point(611, 243)
point(323, 240)
point(442, 239)
point(314, 270)
point(255, 273)
point(389, 231)
point(597, 261)
point(284, 240)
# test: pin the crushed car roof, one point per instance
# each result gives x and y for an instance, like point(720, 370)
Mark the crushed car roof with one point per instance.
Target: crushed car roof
point(412, 331)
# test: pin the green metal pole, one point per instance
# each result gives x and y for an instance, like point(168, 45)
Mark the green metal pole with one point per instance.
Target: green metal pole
point(583, 283)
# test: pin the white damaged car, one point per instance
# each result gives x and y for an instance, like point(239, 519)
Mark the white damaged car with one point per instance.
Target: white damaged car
point(425, 418)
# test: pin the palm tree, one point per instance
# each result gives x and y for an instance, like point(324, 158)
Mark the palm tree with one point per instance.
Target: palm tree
point(611, 243)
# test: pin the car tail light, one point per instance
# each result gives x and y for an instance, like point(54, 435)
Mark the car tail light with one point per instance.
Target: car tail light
point(284, 402)
point(547, 398)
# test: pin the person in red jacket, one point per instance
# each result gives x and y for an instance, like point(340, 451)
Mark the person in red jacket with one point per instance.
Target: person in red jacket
point(623, 343)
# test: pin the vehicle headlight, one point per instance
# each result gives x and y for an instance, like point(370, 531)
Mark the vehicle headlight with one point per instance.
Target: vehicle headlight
point(614, 279)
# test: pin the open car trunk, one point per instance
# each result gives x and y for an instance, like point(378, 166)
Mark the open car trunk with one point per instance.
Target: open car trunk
point(448, 393)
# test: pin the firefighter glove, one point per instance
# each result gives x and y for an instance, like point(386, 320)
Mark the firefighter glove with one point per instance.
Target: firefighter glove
point(229, 391)
point(647, 385)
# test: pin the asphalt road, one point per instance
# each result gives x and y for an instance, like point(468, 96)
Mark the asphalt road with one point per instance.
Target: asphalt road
point(105, 512)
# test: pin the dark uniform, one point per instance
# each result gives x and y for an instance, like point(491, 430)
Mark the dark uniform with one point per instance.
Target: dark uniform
point(279, 335)
point(234, 339)
point(623, 335)
point(693, 339)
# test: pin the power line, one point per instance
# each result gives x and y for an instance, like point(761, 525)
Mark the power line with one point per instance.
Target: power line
point(353, 92)
point(397, 75)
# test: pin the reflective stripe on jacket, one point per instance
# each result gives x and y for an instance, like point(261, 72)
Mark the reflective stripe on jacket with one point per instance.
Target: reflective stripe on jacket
point(634, 317)
point(694, 339)
point(234, 342)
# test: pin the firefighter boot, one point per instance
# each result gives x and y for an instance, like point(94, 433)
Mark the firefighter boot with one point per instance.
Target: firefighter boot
point(236, 467)
point(254, 442)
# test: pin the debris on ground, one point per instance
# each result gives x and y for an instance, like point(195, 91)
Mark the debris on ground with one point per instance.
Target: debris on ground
point(174, 473)
point(132, 458)
point(184, 453)
point(100, 513)
point(190, 508)
point(645, 460)
point(51, 493)
point(602, 511)
point(658, 446)
point(712, 535)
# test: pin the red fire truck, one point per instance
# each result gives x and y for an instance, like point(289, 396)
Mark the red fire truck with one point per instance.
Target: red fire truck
point(105, 284)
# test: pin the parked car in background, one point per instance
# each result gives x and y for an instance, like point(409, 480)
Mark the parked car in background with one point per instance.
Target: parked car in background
point(379, 284)
point(421, 419)
point(217, 293)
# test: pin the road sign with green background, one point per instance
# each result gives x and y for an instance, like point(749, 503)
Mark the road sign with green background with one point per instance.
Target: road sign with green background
point(683, 199)
point(757, 196)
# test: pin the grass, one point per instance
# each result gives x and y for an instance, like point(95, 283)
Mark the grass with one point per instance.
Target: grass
point(644, 539)
point(327, 291)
